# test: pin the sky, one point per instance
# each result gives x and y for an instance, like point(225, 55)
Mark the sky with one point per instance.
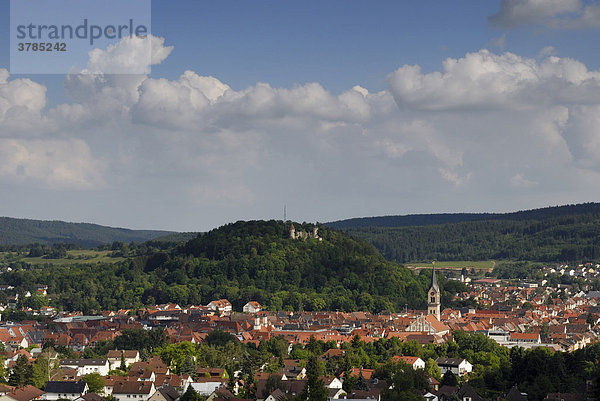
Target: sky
point(335, 109)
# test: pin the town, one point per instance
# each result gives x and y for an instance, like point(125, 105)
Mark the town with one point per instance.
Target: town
point(524, 316)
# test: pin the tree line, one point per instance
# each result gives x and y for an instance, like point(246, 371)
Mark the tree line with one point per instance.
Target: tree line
point(563, 238)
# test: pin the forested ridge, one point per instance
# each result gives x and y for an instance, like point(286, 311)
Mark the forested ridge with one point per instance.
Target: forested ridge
point(558, 234)
point(242, 261)
point(25, 231)
point(443, 218)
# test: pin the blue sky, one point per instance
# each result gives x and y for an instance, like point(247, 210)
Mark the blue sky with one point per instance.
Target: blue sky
point(338, 109)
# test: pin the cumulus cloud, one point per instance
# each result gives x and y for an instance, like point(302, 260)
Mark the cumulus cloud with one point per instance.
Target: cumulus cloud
point(21, 102)
point(483, 127)
point(485, 80)
point(131, 55)
point(52, 164)
point(196, 101)
point(570, 14)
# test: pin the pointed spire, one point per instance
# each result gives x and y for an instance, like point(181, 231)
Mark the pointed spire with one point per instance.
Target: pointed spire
point(434, 283)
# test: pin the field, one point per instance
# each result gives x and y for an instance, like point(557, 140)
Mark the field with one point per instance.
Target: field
point(482, 265)
point(73, 257)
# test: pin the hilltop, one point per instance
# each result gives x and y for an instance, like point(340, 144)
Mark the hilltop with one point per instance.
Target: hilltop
point(243, 261)
point(25, 231)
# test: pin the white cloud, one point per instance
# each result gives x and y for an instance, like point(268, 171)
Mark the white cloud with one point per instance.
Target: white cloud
point(52, 164)
point(547, 51)
point(564, 14)
point(131, 55)
point(482, 129)
point(485, 80)
point(21, 102)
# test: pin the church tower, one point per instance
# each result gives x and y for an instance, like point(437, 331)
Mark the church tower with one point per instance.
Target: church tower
point(433, 297)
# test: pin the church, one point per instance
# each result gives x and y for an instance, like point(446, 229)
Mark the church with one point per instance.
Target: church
point(431, 323)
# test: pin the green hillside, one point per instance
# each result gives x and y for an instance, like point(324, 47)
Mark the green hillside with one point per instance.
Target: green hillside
point(243, 261)
point(444, 218)
point(555, 234)
point(24, 231)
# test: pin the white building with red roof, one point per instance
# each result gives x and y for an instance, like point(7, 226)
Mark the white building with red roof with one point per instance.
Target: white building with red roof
point(414, 361)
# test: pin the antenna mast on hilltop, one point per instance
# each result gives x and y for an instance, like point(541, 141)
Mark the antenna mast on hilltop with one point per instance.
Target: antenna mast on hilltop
point(284, 213)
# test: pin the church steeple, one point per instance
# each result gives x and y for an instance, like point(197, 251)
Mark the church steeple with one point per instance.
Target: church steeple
point(433, 296)
point(434, 283)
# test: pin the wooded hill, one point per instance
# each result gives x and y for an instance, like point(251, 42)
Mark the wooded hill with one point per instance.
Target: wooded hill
point(554, 234)
point(244, 261)
point(25, 231)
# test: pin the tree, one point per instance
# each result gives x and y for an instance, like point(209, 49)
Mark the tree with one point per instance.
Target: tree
point(95, 382)
point(22, 373)
point(41, 371)
point(449, 379)
point(218, 338)
point(432, 368)
point(188, 367)
point(190, 395)
point(273, 382)
point(123, 365)
point(315, 389)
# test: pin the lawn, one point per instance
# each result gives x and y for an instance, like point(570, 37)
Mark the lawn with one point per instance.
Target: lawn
point(73, 257)
point(486, 265)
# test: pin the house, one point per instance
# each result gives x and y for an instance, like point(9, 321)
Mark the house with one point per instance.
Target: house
point(333, 353)
point(513, 395)
point(222, 393)
point(130, 356)
point(252, 307)
point(25, 393)
point(414, 361)
point(133, 390)
point(41, 289)
point(467, 393)
point(458, 366)
point(292, 370)
point(207, 385)
point(90, 397)
point(165, 393)
point(331, 382)
point(430, 397)
point(218, 373)
point(531, 338)
point(64, 390)
point(289, 389)
point(428, 324)
point(86, 366)
point(5, 389)
point(110, 381)
point(373, 394)
point(154, 365)
point(222, 306)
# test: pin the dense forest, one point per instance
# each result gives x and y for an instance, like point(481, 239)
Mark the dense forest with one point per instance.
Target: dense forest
point(443, 218)
point(25, 231)
point(242, 261)
point(561, 234)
